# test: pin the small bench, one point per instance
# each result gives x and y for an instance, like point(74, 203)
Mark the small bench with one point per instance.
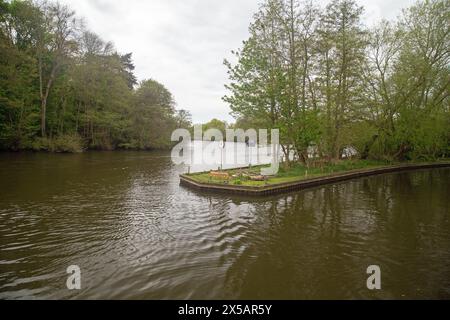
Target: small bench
point(219, 175)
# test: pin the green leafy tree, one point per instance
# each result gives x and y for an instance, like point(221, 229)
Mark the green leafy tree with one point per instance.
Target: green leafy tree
point(342, 48)
point(62, 88)
point(153, 116)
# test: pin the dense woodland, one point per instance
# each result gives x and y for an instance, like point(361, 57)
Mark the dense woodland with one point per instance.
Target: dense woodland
point(320, 75)
point(327, 81)
point(62, 88)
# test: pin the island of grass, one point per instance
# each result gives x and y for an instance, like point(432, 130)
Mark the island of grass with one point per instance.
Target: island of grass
point(296, 176)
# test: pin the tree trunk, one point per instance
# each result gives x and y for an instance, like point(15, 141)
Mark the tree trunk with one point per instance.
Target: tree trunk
point(43, 116)
point(44, 94)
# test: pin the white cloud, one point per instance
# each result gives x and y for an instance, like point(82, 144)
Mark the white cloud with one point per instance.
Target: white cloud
point(182, 44)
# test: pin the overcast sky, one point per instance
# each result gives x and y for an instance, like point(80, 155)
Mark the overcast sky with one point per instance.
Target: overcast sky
point(182, 43)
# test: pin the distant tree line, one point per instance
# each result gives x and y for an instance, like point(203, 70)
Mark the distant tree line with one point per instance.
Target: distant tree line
point(329, 82)
point(62, 88)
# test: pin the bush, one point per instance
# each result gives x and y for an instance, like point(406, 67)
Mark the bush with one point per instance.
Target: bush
point(62, 144)
point(67, 144)
point(38, 144)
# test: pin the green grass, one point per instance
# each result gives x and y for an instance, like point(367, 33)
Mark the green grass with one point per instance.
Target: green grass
point(296, 172)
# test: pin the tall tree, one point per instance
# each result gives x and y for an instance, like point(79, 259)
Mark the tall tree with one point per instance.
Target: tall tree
point(56, 43)
point(409, 77)
point(153, 117)
point(18, 72)
point(342, 45)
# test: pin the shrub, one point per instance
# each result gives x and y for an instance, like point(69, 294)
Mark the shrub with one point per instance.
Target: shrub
point(39, 144)
point(67, 144)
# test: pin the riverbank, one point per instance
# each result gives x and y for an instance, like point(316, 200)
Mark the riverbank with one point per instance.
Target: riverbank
point(239, 181)
point(73, 144)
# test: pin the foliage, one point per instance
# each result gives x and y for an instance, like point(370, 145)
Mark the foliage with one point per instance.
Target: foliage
point(216, 124)
point(63, 89)
point(296, 172)
point(327, 81)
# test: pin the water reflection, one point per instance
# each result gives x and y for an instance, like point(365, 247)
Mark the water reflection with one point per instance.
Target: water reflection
point(135, 233)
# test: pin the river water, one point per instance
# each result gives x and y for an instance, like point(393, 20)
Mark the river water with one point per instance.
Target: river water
point(136, 234)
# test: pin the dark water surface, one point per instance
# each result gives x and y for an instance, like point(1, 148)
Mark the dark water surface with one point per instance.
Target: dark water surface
point(135, 233)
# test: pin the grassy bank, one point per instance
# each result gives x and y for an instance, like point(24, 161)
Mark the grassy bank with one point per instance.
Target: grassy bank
point(297, 172)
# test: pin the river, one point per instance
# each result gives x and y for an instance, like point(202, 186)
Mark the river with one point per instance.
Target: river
point(136, 234)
